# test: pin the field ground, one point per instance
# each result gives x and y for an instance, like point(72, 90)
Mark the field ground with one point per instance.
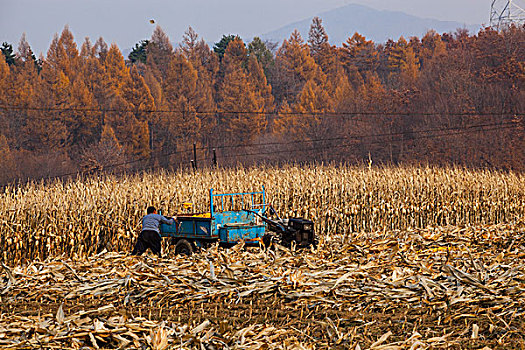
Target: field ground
point(452, 287)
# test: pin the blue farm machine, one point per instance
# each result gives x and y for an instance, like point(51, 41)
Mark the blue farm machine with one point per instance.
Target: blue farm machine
point(236, 217)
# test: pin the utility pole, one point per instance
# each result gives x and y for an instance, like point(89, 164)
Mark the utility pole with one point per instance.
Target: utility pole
point(504, 13)
point(195, 156)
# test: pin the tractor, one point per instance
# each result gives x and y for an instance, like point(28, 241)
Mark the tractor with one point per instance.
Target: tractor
point(236, 217)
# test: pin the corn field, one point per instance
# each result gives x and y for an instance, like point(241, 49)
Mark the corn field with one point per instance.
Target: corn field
point(79, 218)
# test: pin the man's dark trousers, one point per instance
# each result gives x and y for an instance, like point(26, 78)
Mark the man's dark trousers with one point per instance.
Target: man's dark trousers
point(147, 239)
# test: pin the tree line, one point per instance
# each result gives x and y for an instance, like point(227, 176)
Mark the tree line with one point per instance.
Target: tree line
point(452, 98)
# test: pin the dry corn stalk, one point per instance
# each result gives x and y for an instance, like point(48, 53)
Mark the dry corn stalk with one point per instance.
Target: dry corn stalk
point(83, 217)
point(436, 288)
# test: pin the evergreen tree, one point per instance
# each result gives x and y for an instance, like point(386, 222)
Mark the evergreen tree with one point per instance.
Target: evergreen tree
point(258, 79)
point(7, 51)
point(220, 47)
point(259, 50)
point(140, 52)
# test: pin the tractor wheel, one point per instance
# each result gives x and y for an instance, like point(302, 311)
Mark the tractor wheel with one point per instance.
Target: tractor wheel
point(315, 242)
point(267, 240)
point(184, 247)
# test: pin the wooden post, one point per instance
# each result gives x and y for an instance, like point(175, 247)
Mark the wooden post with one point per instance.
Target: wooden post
point(195, 155)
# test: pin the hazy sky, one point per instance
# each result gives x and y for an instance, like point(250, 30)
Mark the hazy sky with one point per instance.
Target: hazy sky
point(127, 21)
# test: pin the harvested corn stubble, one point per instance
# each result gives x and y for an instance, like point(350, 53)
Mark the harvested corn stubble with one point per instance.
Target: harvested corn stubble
point(448, 287)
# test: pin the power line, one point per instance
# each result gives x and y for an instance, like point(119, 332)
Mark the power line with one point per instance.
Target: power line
point(238, 155)
point(215, 112)
point(297, 114)
point(401, 133)
point(431, 133)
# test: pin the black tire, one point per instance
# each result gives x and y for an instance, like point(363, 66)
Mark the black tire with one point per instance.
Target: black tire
point(315, 242)
point(184, 247)
point(267, 240)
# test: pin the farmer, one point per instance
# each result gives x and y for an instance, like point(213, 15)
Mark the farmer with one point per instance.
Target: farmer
point(150, 235)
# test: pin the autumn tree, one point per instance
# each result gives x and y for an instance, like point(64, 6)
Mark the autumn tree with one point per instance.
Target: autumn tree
point(6, 116)
point(323, 53)
point(129, 102)
point(106, 154)
point(359, 53)
point(131, 133)
point(7, 161)
point(294, 66)
point(137, 93)
point(5, 74)
point(21, 92)
point(25, 54)
point(117, 74)
point(178, 126)
point(159, 54)
point(262, 53)
point(100, 49)
point(47, 128)
point(258, 79)
point(241, 102)
point(93, 72)
point(403, 65)
point(431, 47)
point(63, 54)
point(206, 64)
point(157, 104)
point(220, 47)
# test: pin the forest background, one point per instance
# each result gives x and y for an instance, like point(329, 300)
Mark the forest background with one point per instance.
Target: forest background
point(444, 99)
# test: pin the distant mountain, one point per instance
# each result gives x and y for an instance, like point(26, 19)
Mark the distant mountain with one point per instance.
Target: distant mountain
point(343, 22)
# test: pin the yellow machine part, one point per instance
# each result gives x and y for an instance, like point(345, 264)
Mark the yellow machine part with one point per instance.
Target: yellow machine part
point(204, 215)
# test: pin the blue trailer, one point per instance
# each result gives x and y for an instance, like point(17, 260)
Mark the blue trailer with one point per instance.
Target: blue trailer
point(228, 226)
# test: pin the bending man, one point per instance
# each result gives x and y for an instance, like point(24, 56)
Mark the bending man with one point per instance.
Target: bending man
point(149, 237)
